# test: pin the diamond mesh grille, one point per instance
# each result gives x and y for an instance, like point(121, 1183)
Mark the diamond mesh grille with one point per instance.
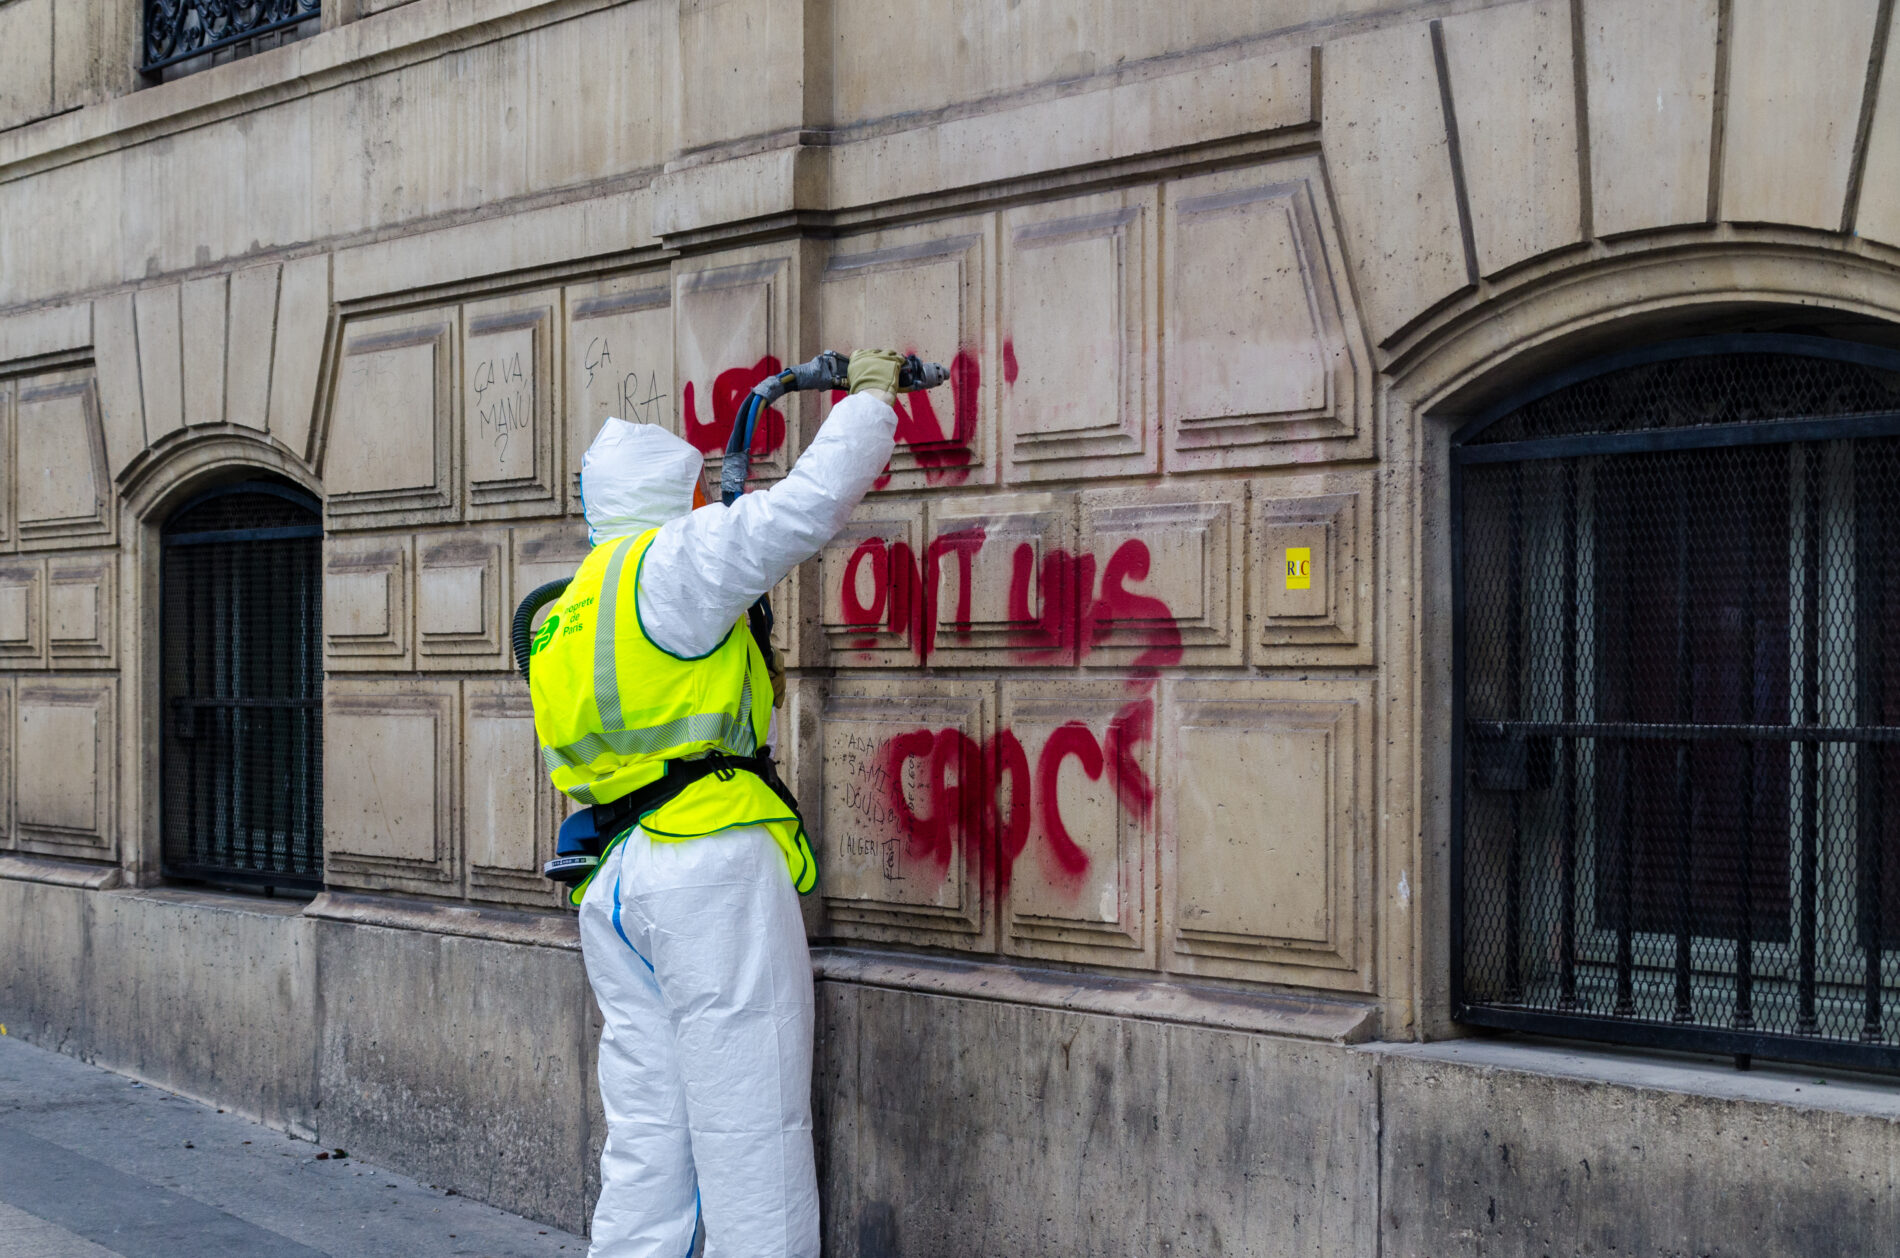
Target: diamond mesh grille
point(1679, 806)
point(1689, 392)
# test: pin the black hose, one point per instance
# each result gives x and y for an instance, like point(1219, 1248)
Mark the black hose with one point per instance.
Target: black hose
point(537, 598)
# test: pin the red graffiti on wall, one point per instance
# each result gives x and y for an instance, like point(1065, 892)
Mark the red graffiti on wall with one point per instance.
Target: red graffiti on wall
point(943, 791)
point(728, 392)
point(1067, 582)
point(1071, 619)
point(1117, 605)
point(904, 588)
point(1065, 618)
point(984, 798)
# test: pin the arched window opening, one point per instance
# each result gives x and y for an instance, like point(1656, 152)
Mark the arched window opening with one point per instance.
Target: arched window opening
point(242, 700)
point(1677, 678)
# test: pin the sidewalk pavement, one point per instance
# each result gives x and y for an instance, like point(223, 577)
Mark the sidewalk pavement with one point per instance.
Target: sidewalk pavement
point(93, 1164)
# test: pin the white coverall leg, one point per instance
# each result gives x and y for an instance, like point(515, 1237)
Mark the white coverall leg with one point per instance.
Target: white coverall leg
point(696, 949)
point(697, 955)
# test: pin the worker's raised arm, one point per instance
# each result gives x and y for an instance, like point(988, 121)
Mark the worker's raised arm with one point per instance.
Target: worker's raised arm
point(705, 569)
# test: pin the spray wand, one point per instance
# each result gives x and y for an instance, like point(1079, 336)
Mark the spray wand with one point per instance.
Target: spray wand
point(827, 371)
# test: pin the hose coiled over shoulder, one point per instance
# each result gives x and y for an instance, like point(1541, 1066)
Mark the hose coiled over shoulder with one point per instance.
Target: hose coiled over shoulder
point(537, 598)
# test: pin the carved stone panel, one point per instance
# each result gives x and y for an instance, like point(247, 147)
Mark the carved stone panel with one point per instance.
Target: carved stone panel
point(203, 306)
point(247, 361)
point(461, 579)
point(1265, 794)
point(923, 290)
point(7, 541)
point(1079, 292)
point(1072, 780)
point(509, 401)
point(1169, 575)
point(23, 613)
point(733, 327)
point(901, 829)
point(389, 452)
point(62, 495)
point(1649, 165)
point(121, 395)
point(619, 361)
point(8, 838)
point(1787, 154)
point(1510, 75)
point(1263, 361)
point(1009, 584)
point(389, 767)
point(872, 595)
point(510, 810)
point(1312, 578)
point(791, 620)
point(366, 603)
point(545, 553)
point(1389, 163)
point(799, 747)
point(81, 623)
point(303, 319)
point(66, 766)
point(161, 359)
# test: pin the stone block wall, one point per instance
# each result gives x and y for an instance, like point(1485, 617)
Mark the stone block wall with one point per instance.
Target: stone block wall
point(1131, 674)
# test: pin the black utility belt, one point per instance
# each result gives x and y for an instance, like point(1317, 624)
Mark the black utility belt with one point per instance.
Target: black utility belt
point(611, 819)
point(586, 834)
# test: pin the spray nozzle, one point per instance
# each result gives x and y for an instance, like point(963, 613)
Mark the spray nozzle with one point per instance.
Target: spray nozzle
point(831, 370)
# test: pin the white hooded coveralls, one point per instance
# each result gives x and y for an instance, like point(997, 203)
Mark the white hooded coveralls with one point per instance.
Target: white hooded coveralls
point(696, 949)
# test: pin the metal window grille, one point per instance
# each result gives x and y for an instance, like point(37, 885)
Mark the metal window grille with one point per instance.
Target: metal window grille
point(1677, 722)
point(178, 30)
point(240, 642)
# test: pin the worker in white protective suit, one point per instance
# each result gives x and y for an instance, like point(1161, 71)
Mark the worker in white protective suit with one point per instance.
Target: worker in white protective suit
point(651, 694)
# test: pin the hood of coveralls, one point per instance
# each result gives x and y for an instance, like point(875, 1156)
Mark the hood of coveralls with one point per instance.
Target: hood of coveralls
point(636, 477)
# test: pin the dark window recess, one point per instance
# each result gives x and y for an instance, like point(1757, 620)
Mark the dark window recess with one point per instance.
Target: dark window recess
point(1678, 684)
point(177, 31)
point(242, 742)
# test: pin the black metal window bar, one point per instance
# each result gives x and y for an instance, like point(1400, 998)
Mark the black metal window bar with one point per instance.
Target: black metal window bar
point(240, 643)
point(178, 30)
point(1677, 686)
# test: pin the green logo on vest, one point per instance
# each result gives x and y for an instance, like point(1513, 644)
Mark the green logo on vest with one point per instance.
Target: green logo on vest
point(545, 634)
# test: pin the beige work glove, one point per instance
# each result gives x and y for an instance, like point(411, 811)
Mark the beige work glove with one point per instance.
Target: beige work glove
point(874, 371)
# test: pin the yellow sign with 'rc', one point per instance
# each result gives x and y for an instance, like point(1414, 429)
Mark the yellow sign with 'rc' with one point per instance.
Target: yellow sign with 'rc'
point(1299, 567)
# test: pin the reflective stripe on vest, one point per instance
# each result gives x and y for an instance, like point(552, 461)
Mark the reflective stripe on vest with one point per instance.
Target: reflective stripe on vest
point(734, 733)
point(611, 706)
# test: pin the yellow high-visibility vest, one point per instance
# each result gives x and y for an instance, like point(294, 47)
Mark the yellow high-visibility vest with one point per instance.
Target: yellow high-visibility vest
point(611, 707)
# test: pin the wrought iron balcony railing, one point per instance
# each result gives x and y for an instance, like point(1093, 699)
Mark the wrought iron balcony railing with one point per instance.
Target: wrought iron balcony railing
point(178, 30)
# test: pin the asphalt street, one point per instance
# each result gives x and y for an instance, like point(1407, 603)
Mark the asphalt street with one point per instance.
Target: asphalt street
point(93, 1164)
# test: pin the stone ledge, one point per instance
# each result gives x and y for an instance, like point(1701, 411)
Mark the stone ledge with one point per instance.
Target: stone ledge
point(45, 330)
point(541, 930)
point(207, 900)
point(60, 873)
point(1183, 107)
point(1148, 999)
point(378, 44)
point(565, 235)
point(1776, 1083)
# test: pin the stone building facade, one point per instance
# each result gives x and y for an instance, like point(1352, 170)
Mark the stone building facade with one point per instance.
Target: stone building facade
point(1135, 932)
